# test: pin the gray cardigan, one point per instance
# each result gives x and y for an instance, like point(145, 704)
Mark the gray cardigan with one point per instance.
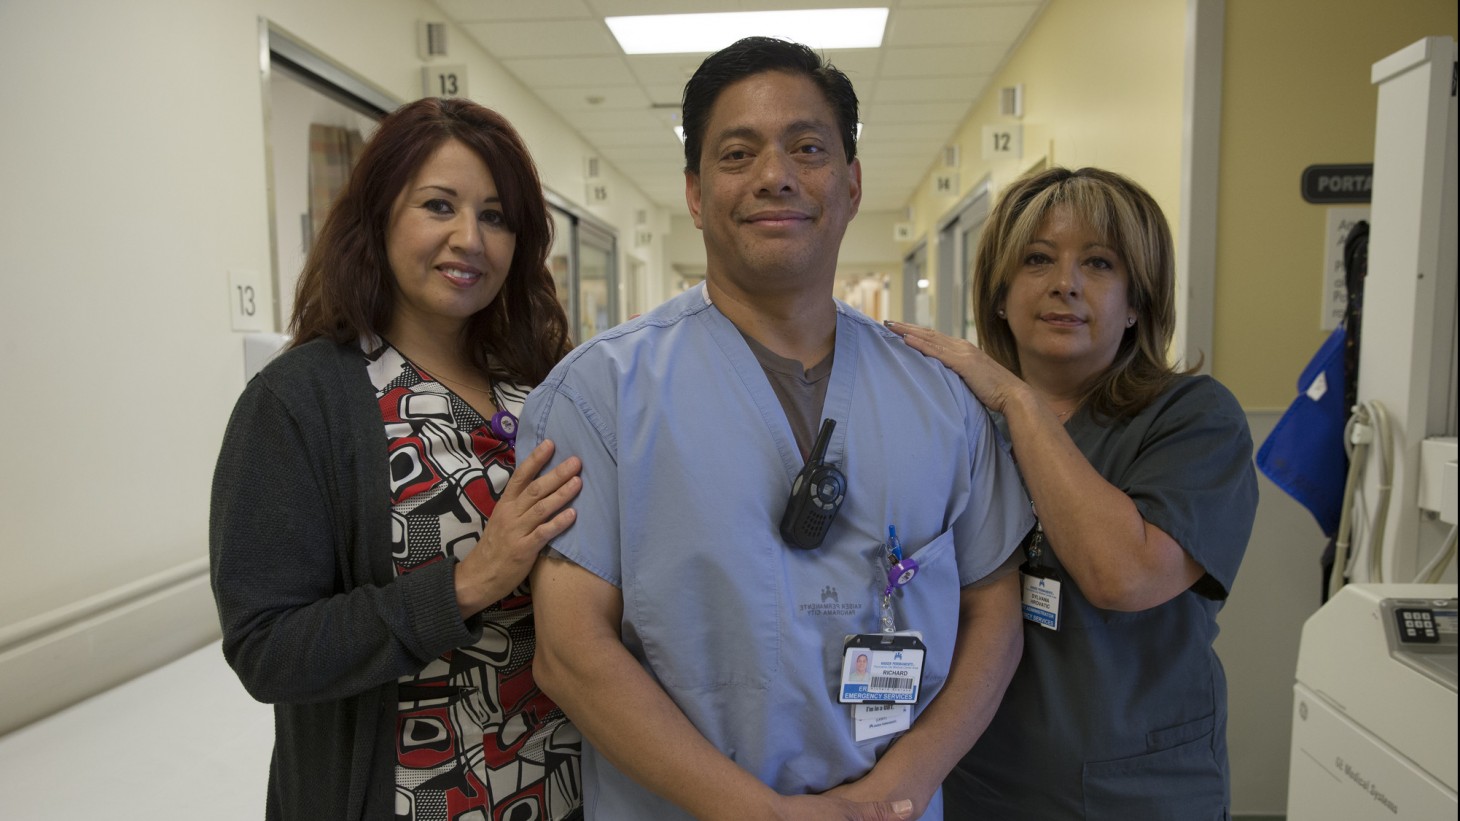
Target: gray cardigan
point(313, 619)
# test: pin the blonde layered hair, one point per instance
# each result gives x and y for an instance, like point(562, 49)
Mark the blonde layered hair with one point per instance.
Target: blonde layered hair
point(1130, 222)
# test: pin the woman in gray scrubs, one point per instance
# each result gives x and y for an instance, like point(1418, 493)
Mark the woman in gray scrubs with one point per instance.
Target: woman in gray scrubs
point(1143, 482)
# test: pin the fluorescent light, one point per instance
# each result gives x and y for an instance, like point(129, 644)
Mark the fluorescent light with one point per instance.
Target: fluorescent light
point(679, 132)
point(695, 33)
point(922, 283)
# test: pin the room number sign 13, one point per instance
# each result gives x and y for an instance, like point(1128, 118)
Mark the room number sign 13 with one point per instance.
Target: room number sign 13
point(444, 81)
point(1003, 142)
point(246, 300)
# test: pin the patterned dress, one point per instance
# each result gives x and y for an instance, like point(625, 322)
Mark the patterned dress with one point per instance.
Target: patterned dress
point(476, 740)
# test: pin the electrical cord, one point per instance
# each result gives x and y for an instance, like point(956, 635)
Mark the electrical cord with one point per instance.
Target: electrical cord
point(1435, 570)
point(1356, 445)
point(1385, 440)
point(1368, 423)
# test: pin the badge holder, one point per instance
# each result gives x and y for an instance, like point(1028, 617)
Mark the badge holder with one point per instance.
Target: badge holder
point(1039, 583)
point(882, 673)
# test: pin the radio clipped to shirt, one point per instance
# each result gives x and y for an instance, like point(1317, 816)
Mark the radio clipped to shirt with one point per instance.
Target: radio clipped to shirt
point(816, 496)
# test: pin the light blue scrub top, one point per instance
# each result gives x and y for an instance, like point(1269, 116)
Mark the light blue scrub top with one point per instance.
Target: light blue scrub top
point(687, 465)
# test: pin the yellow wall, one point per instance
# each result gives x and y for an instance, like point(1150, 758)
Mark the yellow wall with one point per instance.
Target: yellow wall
point(1295, 92)
point(1102, 86)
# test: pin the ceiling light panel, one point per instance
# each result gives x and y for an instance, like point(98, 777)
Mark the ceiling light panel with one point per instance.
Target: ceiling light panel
point(700, 33)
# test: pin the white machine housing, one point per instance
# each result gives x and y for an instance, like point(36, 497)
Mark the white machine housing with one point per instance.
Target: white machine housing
point(1374, 706)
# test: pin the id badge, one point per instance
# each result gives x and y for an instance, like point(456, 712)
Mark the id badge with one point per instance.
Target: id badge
point(1041, 597)
point(882, 668)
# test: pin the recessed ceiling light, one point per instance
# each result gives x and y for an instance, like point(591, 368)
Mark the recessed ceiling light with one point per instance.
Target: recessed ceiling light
point(693, 33)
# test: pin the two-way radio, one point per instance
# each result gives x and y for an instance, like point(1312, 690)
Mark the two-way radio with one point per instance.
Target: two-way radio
point(816, 496)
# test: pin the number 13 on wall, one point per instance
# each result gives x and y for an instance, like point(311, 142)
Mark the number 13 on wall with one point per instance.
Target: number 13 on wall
point(444, 81)
point(1003, 142)
point(247, 300)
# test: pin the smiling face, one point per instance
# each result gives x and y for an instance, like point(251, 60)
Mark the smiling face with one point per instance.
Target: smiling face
point(861, 664)
point(1067, 304)
point(447, 242)
point(774, 192)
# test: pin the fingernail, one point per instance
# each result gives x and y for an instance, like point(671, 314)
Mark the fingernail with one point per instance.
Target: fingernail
point(903, 808)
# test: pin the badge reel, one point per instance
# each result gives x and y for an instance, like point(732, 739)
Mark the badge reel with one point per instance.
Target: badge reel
point(882, 673)
point(504, 427)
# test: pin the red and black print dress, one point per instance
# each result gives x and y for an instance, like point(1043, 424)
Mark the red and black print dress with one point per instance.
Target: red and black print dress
point(476, 740)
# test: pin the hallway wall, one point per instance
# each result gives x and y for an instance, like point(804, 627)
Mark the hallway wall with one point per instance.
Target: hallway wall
point(134, 181)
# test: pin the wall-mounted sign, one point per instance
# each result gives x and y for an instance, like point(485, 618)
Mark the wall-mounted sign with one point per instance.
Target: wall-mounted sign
point(1003, 142)
point(444, 81)
point(1353, 182)
point(945, 183)
point(596, 192)
point(245, 295)
point(902, 232)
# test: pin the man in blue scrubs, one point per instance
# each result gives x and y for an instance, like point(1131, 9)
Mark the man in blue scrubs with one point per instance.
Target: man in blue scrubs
point(700, 654)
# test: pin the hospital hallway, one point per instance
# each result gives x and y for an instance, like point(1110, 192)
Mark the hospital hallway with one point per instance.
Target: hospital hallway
point(166, 167)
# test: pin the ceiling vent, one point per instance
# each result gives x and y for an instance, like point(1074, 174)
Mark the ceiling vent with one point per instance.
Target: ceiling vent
point(431, 39)
point(1011, 101)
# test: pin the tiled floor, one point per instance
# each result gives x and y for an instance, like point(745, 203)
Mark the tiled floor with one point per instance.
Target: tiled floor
point(181, 742)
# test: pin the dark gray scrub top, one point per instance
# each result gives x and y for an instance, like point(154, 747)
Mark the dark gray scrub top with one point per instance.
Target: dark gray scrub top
point(1123, 715)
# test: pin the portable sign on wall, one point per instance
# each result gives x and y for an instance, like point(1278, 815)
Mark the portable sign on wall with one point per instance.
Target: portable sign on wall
point(1352, 182)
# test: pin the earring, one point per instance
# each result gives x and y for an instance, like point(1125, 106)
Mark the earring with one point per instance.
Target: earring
point(1130, 322)
point(1001, 313)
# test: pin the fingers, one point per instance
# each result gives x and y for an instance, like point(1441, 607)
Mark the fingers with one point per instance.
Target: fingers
point(535, 461)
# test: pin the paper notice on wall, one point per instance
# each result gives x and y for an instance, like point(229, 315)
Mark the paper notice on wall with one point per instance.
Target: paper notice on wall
point(1335, 290)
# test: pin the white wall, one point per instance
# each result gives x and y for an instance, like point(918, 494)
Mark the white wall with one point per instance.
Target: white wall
point(1277, 589)
point(134, 180)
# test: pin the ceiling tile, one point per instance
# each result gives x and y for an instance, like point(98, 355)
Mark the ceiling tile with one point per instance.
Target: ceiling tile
point(948, 111)
point(463, 11)
point(929, 89)
point(581, 98)
point(568, 72)
point(905, 148)
point(655, 155)
point(941, 61)
point(621, 119)
point(614, 8)
point(955, 25)
point(910, 132)
point(607, 139)
point(572, 38)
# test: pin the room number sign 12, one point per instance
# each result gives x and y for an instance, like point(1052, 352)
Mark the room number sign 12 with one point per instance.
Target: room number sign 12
point(1003, 142)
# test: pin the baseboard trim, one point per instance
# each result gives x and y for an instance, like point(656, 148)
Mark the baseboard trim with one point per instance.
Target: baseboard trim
point(59, 658)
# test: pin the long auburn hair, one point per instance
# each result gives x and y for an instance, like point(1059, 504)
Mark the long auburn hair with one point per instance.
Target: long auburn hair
point(1131, 222)
point(347, 289)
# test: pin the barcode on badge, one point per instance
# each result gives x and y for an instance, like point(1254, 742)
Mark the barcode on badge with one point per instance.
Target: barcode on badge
point(890, 683)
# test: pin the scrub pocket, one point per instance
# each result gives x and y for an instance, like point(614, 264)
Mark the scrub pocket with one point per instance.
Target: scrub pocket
point(1182, 782)
point(929, 605)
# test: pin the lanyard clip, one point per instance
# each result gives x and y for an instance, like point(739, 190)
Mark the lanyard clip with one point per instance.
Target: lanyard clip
point(900, 571)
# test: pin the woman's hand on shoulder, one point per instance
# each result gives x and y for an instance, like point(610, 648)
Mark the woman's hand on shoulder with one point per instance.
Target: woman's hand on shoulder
point(992, 383)
point(531, 513)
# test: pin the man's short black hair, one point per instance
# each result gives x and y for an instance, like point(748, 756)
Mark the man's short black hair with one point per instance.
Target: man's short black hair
point(751, 56)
